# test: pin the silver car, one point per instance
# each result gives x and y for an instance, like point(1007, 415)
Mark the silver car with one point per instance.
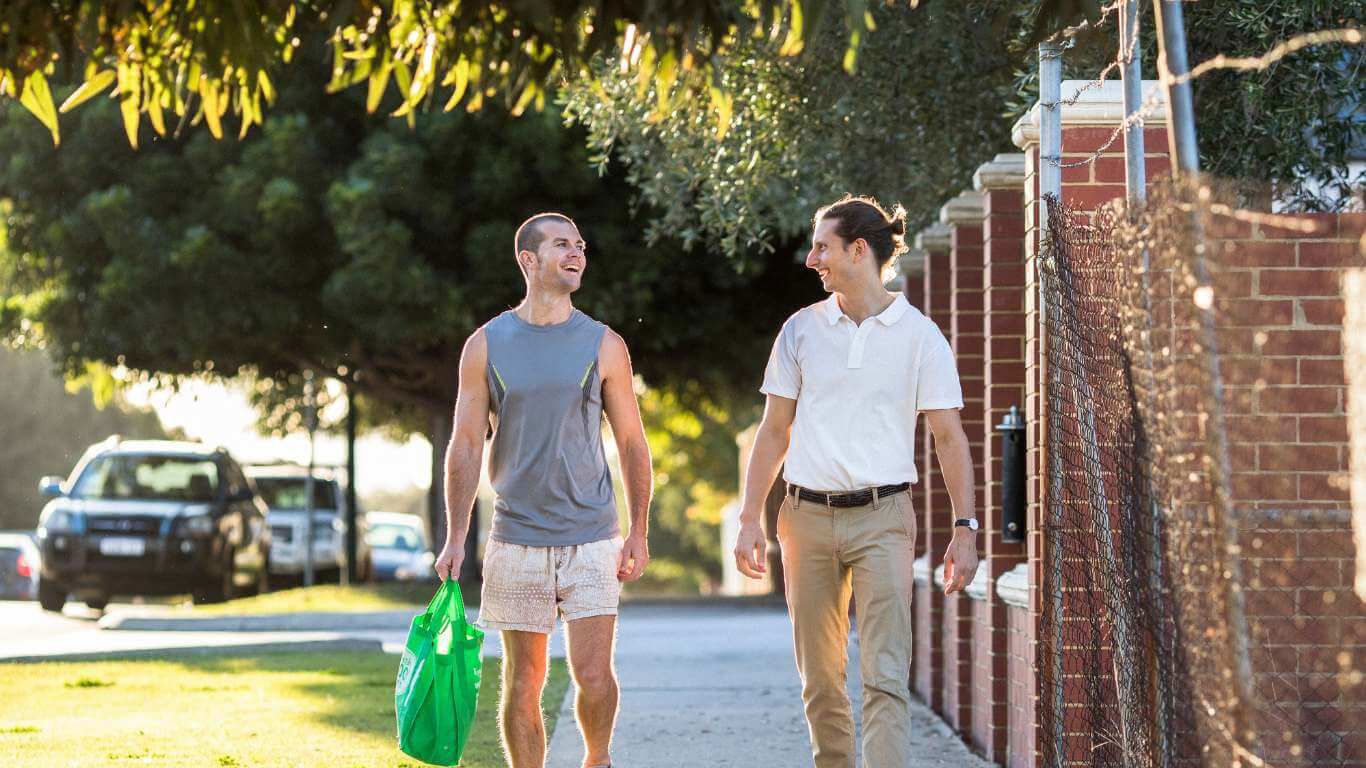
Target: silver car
point(399, 547)
point(283, 487)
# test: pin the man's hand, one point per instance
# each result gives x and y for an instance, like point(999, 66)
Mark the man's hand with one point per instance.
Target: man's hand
point(635, 555)
point(449, 561)
point(751, 550)
point(960, 560)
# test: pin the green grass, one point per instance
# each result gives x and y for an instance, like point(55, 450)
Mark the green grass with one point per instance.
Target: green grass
point(306, 710)
point(328, 598)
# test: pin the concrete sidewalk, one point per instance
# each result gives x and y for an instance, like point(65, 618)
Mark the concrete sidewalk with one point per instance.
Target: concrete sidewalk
point(717, 686)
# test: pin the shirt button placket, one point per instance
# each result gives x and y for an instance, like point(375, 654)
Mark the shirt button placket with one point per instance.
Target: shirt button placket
point(856, 348)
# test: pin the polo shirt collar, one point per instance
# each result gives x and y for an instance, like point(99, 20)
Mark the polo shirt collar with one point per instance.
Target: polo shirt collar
point(888, 316)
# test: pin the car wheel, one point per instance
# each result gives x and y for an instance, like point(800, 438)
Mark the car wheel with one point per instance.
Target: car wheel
point(98, 603)
point(51, 596)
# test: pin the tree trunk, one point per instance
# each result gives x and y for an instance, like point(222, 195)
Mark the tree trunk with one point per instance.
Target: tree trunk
point(439, 434)
point(352, 510)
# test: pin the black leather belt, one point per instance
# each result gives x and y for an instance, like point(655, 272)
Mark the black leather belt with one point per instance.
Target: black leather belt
point(849, 498)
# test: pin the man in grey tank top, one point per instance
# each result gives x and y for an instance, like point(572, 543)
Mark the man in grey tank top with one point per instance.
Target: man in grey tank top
point(542, 376)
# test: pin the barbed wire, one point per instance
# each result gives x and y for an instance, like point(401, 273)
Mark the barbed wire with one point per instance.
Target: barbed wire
point(1166, 79)
point(1073, 31)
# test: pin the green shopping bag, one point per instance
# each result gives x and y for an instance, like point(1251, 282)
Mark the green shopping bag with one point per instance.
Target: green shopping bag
point(438, 680)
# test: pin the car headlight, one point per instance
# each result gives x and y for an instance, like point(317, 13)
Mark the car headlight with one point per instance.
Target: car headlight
point(338, 524)
point(196, 525)
point(62, 521)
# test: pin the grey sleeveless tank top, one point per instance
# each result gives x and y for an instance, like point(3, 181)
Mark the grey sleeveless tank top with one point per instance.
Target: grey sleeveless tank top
point(547, 462)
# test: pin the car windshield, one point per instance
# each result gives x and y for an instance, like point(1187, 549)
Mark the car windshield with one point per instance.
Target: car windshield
point(153, 478)
point(290, 492)
point(386, 536)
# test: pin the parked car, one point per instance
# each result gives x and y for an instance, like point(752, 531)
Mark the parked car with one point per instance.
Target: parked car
point(399, 548)
point(282, 486)
point(19, 564)
point(152, 518)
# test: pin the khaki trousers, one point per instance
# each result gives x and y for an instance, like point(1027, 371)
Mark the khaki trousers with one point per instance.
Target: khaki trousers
point(829, 553)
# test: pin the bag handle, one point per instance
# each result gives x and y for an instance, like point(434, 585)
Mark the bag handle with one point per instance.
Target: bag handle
point(448, 606)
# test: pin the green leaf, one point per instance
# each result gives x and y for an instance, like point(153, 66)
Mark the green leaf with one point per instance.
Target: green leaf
point(37, 98)
point(130, 93)
point(665, 77)
point(792, 45)
point(92, 87)
point(645, 71)
point(210, 93)
point(154, 114)
point(460, 75)
point(267, 90)
point(850, 62)
point(522, 101)
point(724, 103)
point(379, 80)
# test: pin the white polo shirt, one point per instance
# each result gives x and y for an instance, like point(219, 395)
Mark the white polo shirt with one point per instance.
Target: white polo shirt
point(858, 389)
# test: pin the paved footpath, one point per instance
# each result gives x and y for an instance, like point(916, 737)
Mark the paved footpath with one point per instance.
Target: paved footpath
point(716, 685)
point(703, 683)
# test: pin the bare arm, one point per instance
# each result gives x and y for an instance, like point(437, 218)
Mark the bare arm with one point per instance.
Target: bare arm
point(623, 413)
point(465, 453)
point(955, 462)
point(770, 449)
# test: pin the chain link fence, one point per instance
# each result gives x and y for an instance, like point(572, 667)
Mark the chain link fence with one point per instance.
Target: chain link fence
point(1190, 615)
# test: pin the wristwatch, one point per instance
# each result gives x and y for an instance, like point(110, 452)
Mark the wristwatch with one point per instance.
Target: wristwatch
point(967, 522)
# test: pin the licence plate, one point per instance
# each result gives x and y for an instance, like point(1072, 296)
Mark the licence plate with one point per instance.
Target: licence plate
point(121, 547)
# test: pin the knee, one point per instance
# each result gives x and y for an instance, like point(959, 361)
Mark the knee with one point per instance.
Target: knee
point(821, 687)
point(885, 690)
point(522, 684)
point(596, 682)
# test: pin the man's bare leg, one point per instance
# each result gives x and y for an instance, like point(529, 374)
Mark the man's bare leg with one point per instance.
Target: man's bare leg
point(519, 711)
point(590, 663)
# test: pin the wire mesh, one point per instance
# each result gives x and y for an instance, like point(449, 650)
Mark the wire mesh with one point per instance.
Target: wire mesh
point(1167, 638)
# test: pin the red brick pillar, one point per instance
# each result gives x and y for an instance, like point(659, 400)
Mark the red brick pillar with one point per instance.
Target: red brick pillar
point(1001, 183)
point(910, 281)
point(928, 663)
point(1089, 118)
point(963, 215)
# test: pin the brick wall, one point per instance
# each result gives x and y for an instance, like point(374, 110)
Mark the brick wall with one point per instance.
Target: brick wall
point(1020, 689)
point(963, 215)
point(913, 288)
point(928, 658)
point(1001, 185)
point(1281, 314)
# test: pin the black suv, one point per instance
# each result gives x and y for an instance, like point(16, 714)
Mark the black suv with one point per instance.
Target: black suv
point(152, 518)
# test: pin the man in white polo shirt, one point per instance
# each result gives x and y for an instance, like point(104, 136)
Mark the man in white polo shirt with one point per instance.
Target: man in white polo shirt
point(844, 383)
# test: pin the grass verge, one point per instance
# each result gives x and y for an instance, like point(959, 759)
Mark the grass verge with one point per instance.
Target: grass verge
point(329, 598)
point(307, 710)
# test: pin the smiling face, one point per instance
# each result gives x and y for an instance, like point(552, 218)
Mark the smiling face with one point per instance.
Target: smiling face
point(560, 258)
point(838, 263)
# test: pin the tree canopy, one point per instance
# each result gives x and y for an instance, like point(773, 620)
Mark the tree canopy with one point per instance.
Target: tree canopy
point(198, 62)
point(911, 124)
point(934, 96)
point(364, 250)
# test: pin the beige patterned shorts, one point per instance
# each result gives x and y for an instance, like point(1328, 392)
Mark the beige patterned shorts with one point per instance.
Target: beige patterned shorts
point(525, 587)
